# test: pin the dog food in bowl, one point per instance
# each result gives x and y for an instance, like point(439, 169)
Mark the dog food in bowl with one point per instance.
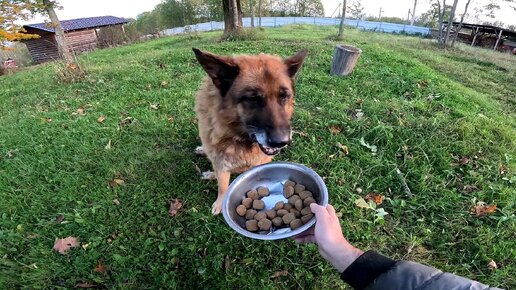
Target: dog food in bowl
point(293, 214)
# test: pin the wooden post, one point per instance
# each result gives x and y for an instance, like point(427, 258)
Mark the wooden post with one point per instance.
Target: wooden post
point(474, 37)
point(345, 58)
point(498, 39)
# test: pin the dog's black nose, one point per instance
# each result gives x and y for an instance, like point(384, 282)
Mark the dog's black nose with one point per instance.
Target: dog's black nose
point(279, 139)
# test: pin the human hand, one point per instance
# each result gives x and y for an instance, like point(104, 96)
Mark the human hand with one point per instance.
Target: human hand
point(327, 234)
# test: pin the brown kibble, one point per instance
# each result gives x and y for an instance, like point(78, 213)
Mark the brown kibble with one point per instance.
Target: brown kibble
point(281, 212)
point(277, 221)
point(263, 191)
point(253, 194)
point(288, 191)
point(251, 225)
point(247, 202)
point(309, 201)
point(258, 204)
point(279, 205)
point(306, 218)
point(249, 214)
point(264, 224)
point(296, 224)
point(288, 218)
point(298, 204)
point(289, 183)
point(299, 188)
point(305, 194)
point(288, 206)
point(260, 216)
point(306, 211)
point(241, 210)
point(270, 214)
point(292, 200)
point(296, 212)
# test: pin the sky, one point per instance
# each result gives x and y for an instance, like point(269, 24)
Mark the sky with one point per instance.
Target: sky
point(131, 8)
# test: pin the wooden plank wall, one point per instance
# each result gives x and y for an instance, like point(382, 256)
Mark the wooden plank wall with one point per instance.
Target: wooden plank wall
point(43, 49)
point(82, 40)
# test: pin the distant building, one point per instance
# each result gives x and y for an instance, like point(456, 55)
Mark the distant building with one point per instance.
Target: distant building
point(498, 38)
point(81, 35)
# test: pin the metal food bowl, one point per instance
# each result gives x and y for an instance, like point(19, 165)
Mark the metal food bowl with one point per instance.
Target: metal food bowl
point(273, 176)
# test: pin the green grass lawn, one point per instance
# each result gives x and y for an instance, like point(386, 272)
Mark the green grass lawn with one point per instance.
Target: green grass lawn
point(445, 119)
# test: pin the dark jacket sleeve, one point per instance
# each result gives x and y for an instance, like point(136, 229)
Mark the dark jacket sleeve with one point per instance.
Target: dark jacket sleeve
point(372, 271)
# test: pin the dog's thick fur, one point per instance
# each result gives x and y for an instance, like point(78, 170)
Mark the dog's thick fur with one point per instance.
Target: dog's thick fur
point(244, 108)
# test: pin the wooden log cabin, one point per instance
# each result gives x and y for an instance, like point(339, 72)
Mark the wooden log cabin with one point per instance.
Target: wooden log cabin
point(81, 35)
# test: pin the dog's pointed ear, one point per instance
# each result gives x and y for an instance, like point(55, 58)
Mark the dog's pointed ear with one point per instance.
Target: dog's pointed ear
point(295, 62)
point(221, 69)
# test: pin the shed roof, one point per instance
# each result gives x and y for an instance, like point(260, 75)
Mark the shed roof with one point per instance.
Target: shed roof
point(80, 23)
point(488, 29)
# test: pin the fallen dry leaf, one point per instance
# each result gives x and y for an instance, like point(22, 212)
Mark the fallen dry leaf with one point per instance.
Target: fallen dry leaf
point(361, 203)
point(464, 161)
point(63, 245)
point(344, 148)
point(125, 121)
point(482, 209)
point(108, 145)
point(170, 119)
point(85, 285)
point(503, 169)
point(376, 198)
point(164, 84)
point(100, 268)
point(279, 274)
point(80, 111)
point(334, 129)
point(48, 120)
point(422, 84)
point(154, 106)
point(492, 265)
point(115, 182)
point(101, 119)
point(175, 206)
point(359, 102)
point(227, 262)
point(59, 219)
point(116, 201)
point(300, 133)
point(85, 246)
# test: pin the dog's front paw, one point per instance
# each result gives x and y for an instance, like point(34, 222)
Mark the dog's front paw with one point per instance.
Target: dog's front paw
point(216, 207)
point(208, 175)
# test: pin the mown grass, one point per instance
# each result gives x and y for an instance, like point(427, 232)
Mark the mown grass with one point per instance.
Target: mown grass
point(424, 109)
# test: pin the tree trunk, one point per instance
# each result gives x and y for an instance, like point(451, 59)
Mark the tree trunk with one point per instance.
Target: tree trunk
point(259, 13)
point(251, 10)
point(450, 22)
point(232, 16)
point(460, 24)
point(62, 46)
point(344, 59)
point(413, 13)
point(441, 20)
point(342, 17)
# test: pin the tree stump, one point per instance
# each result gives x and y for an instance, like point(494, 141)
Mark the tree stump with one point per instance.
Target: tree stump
point(344, 59)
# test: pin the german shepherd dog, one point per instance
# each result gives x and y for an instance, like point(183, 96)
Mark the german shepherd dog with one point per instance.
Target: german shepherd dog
point(244, 107)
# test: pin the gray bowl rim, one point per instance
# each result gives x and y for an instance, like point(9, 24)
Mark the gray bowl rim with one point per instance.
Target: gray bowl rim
point(243, 176)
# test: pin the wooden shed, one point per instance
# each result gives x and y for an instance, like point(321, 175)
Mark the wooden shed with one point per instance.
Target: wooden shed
point(81, 35)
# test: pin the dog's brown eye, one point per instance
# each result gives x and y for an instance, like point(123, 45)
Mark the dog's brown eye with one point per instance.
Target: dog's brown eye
point(284, 95)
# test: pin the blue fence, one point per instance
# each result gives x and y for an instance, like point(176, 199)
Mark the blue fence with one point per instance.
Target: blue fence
point(280, 21)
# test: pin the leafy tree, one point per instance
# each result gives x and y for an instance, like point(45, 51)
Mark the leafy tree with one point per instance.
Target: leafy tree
point(356, 9)
point(10, 12)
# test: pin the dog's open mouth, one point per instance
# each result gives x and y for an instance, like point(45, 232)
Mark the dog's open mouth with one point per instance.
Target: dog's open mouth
point(265, 149)
point(269, 150)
